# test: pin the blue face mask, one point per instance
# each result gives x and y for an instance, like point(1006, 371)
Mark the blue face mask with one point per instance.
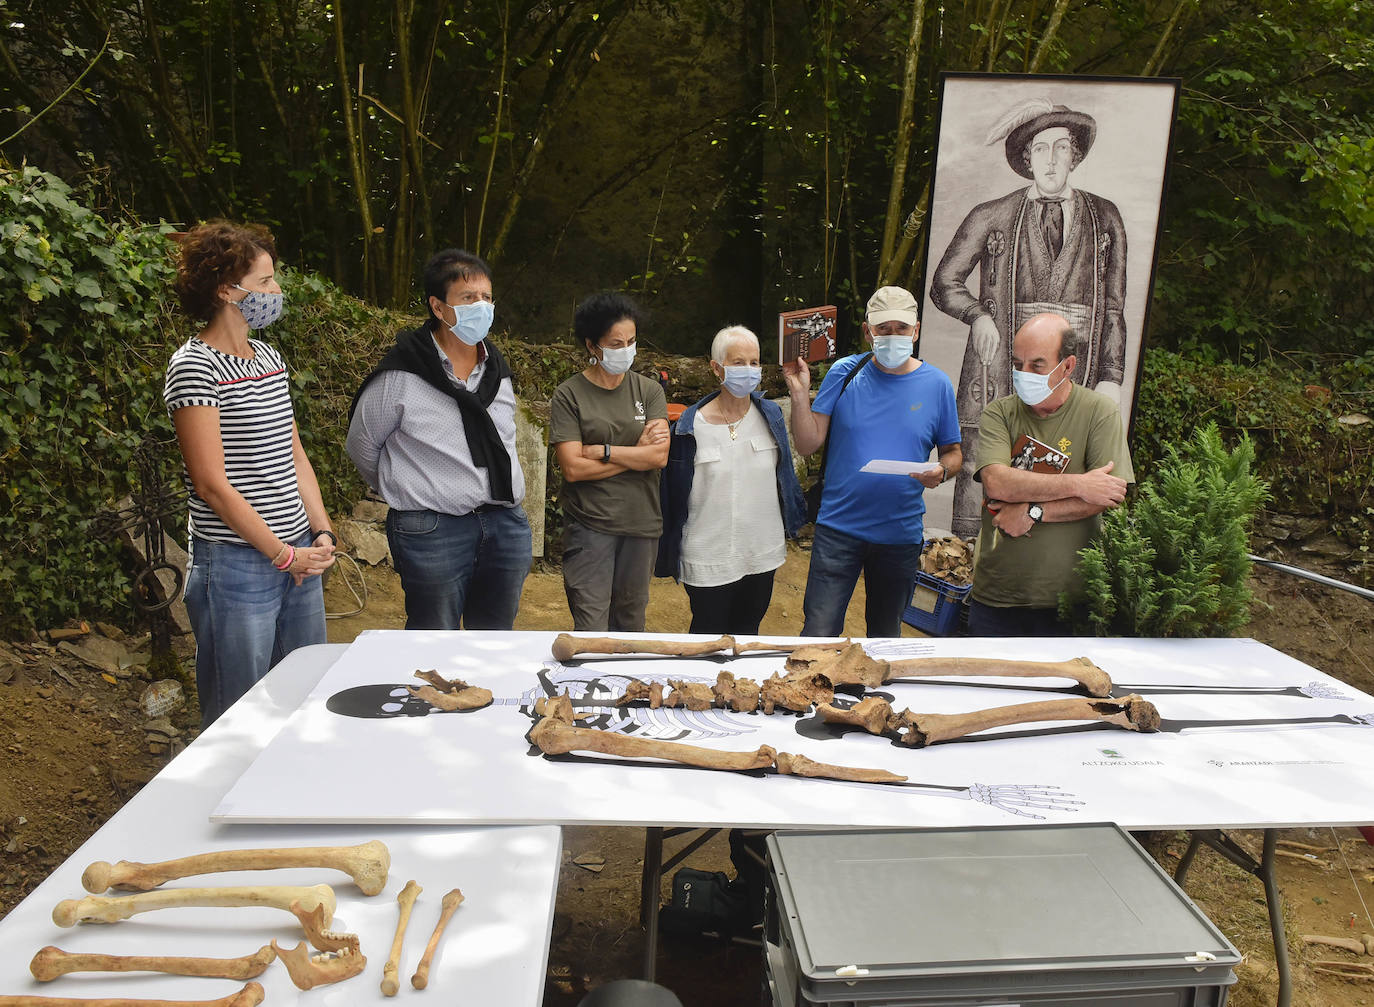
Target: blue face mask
point(891, 351)
point(617, 359)
point(741, 379)
point(472, 321)
point(1033, 389)
point(259, 309)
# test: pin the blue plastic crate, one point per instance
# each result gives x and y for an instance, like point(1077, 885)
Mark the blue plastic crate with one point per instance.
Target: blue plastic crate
point(935, 605)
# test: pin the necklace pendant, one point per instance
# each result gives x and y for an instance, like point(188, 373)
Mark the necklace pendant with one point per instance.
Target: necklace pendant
point(734, 433)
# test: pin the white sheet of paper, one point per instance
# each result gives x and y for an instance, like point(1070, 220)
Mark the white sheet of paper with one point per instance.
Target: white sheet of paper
point(893, 467)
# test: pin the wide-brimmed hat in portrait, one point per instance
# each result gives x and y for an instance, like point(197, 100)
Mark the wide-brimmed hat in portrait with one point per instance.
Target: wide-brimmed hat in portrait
point(1022, 122)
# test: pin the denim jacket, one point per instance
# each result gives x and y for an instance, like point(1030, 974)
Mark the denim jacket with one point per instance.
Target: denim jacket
point(675, 488)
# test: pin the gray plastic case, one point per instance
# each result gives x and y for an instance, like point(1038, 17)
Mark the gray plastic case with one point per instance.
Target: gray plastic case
point(1047, 915)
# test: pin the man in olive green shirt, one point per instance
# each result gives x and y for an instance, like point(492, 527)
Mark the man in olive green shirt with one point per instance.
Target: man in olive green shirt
point(1051, 458)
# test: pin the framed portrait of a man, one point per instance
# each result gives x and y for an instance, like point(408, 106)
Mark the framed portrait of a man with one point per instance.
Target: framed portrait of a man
point(1046, 197)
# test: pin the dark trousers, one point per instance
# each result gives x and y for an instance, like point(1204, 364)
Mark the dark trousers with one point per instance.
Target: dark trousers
point(989, 620)
point(731, 608)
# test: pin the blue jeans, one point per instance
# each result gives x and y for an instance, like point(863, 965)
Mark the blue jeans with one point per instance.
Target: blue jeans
point(460, 571)
point(837, 560)
point(246, 616)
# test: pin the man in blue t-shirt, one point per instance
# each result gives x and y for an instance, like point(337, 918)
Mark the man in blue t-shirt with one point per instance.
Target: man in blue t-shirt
point(895, 408)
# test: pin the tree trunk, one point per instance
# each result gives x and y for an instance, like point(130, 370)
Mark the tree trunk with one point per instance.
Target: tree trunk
point(369, 284)
point(906, 127)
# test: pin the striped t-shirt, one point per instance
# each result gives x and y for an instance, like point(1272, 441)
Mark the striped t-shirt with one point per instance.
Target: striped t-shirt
point(255, 422)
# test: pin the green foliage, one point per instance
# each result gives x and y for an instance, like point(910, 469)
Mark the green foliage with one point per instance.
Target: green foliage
point(1313, 463)
point(90, 325)
point(1173, 561)
point(83, 302)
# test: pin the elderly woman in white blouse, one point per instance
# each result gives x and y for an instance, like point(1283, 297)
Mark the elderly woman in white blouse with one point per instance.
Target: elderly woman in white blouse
point(729, 493)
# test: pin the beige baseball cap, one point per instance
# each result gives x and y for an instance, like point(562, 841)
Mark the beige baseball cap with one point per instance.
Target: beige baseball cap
point(893, 304)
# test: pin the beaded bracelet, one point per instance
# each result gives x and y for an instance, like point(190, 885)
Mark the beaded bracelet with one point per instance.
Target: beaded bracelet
point(290, 558)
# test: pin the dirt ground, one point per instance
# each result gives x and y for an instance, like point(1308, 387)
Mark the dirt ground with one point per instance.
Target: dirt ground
point(75, 749)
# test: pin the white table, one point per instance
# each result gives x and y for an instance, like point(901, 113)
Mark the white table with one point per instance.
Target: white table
point(1251, 739)
point(495, 950)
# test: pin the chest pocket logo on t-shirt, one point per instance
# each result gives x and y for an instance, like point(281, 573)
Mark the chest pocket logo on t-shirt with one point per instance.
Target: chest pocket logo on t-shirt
point(639, 409)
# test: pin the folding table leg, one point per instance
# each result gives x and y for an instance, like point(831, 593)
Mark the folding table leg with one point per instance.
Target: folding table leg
point(1264, 870)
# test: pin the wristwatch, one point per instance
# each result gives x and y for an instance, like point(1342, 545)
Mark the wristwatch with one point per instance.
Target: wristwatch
point(606, 453)
point(1036, 513)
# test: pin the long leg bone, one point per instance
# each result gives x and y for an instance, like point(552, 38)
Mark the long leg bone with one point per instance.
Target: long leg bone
point(406, 900)
point(921, 729)
point(250, 996)
point(556, 738)
point(447, 906)
point(308, 971)
point(104, 909)
point(51, 962)
point(313, 923)
point(853, 666)
point(366, 863)
point(566, 647)
point(1130, 712)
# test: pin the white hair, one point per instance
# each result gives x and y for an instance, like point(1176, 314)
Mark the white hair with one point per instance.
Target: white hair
point(721, 344)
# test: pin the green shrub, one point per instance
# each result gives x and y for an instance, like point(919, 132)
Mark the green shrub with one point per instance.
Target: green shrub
point(1173, 560)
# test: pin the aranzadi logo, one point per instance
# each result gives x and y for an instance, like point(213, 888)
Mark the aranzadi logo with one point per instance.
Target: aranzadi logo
point(1230, 763)
point(1111, 757)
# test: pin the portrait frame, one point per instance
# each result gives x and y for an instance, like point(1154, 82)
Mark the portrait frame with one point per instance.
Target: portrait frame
point(977, 223)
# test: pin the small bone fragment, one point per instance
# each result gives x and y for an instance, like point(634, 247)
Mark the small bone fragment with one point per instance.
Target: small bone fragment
point(308, 971)
point(313, 923)
point(366, 863)
point(456, 694)
point(851, 666)
point(739, 694)
point(470, 698)
point(1305, 847)
point(566, 647)
point(1363, 946)
point(799, 765)
point(692, 695)
point(555, 738)
point(1303, 858)
point(108, 909)
point(449, 903)
point(250, 996)
point(1130, 712)
point(406, 900)
point(637, 691)
point(872, 713)
point(1346, 970)
point(51, 962)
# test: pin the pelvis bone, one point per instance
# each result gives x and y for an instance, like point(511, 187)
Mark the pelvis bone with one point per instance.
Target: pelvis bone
point(366, 863)
point(308, 971)
point(51, 962)
point(108, 909)
point(250, 996)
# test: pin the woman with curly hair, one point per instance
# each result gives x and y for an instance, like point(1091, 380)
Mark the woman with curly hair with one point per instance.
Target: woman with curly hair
point(259, 536)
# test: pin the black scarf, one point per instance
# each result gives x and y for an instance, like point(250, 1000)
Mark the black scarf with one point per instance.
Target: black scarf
point(415, 353)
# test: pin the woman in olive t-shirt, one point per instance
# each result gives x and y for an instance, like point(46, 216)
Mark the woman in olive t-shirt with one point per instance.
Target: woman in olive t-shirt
point(609, 427)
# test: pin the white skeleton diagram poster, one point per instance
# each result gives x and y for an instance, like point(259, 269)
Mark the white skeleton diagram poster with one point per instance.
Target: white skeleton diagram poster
point(1046, 198)
point(1247, 737)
